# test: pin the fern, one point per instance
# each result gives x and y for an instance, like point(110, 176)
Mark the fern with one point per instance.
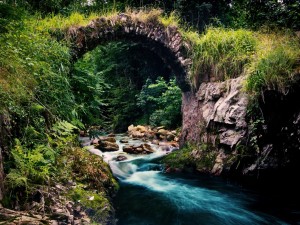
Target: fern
point(16, 180)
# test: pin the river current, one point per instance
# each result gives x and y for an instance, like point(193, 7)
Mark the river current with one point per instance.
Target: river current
point(149, 196)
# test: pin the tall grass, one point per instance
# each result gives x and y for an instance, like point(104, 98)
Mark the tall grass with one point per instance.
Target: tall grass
point(276, 64)
point(221, 53)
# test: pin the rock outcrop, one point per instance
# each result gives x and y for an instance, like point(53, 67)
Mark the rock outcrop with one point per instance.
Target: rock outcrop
point(216, 113)
point(263, 143)
point(276, 136)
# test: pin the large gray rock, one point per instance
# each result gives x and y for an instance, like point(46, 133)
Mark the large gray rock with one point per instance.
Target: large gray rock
point(216, 111)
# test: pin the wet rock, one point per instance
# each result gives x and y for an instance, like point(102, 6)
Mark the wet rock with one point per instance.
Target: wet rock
point(121, 158)
point(128, 149)
point(162, 137)
point(130, 128)
point(141, 149)
point(163, 132)
point(170, 137)
point(109, 139)
point(156, 142)
point(95, 141)
point(137, 134)
point(124, 140)
point(147, 148)
point(107, 146)
point(141, 129)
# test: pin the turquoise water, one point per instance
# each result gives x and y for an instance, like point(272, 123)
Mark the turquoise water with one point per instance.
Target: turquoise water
point(151, 197)
point(148, 196)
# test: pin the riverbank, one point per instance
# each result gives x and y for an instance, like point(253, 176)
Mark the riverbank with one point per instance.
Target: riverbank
point(78, 189)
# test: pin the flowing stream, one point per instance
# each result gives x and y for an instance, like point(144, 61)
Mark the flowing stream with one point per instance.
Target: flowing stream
point(148, 196)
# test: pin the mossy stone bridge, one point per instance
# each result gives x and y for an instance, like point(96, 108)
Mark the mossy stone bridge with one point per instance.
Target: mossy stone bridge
point(165, 41)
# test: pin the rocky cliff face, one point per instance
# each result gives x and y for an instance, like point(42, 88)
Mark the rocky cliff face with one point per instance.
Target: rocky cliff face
point(216, 115)
point(264, 142)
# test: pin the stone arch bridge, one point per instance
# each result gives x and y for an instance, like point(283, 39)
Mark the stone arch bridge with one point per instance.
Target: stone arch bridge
point(166, 42)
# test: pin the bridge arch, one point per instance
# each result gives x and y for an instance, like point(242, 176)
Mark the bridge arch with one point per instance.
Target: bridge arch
point(165, 41)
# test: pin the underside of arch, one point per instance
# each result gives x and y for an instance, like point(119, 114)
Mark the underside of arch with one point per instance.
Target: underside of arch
point(166, 42)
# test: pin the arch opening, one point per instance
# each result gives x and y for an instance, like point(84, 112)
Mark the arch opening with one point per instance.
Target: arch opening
point(122, 83)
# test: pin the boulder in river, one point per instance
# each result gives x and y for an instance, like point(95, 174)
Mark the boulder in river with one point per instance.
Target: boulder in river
point(124, 140)
point(107, 146)
point(141, 149)
point(121, 158)
point(109, 139)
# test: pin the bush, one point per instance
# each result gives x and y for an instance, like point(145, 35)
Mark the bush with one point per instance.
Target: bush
point(161, 103)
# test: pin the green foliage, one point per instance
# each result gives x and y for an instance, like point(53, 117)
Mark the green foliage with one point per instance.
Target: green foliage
point(254, 14)
point(107, 80)
point(161, 102)
point(31, 166)
point(9, 16)
point(63, 129)
point(88, 87)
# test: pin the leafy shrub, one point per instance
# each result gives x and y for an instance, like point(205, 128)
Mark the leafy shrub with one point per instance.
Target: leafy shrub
point(161, 102)
point(31, 166)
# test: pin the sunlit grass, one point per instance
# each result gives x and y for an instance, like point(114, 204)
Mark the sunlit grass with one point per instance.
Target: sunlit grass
point(172, 20)
point(276, 63)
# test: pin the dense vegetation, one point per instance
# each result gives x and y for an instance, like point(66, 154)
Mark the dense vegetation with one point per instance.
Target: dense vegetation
point(113, 88)
point(45, 99)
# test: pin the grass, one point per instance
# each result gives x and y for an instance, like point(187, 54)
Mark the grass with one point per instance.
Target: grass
point(276, 63)
point(221, 53)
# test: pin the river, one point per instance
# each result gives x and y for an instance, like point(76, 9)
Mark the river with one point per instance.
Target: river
point(149, 196)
